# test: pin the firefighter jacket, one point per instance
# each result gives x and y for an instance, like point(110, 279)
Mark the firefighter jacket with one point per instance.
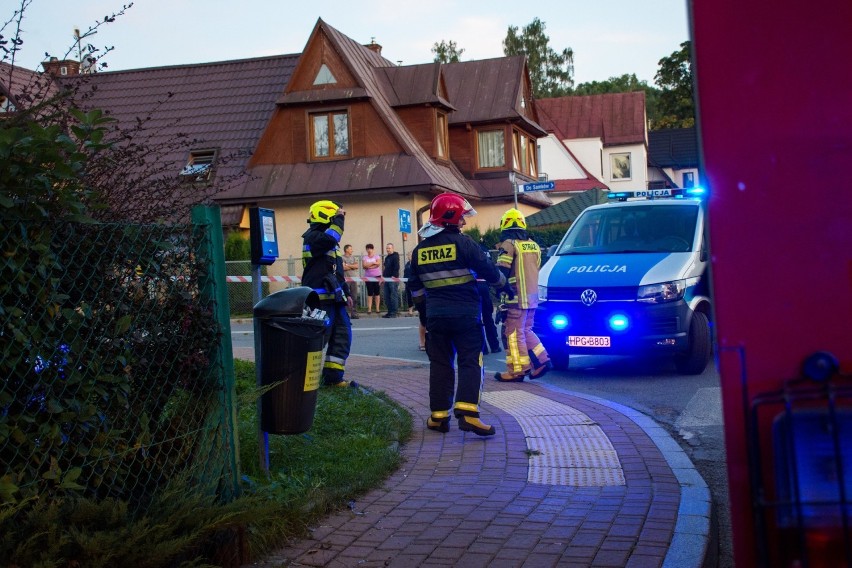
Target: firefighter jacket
point(444, 268)
point(519, 259)
point(321, 260)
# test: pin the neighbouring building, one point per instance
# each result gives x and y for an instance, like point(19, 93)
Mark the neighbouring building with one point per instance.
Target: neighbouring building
point(673, 158)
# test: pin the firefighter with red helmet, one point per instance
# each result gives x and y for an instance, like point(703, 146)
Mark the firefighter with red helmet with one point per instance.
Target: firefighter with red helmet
point(518, 259)
point(444, 269)
point(322, 267)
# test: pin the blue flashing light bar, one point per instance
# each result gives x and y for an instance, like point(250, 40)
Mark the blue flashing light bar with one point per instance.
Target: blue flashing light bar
point(676, 193)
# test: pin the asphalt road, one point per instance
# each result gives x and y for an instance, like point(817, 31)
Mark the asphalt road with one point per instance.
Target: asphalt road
point(689, 407)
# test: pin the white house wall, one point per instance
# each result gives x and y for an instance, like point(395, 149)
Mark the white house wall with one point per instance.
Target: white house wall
point(556, 161)
point(588, 151)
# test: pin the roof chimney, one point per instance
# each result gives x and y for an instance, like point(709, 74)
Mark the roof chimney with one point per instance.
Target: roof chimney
point(64, 68)
point(374, 46)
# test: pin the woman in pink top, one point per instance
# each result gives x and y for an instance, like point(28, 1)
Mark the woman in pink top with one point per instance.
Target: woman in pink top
point(372, 264)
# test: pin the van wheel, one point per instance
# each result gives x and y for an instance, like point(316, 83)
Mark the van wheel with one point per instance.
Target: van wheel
point(559, 360)
point(694, 361)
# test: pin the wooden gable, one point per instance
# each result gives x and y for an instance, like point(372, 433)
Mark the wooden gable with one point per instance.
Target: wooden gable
point(318, 58)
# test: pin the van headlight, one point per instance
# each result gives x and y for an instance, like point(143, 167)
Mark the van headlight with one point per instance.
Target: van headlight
point(542, 293)
point(663, 292)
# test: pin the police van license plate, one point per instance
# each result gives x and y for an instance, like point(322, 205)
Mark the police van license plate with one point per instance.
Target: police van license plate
point(588, 341)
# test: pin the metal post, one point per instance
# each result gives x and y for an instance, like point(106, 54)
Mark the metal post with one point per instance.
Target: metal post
point(514, 187)
point(262, 437)
point(214, 288)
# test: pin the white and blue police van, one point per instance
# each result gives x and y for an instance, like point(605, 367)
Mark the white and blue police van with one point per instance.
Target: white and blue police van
point(630, 277)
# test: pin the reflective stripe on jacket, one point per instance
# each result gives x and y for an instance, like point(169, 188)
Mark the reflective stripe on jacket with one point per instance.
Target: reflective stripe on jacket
point(521, 260)
point(444, 269)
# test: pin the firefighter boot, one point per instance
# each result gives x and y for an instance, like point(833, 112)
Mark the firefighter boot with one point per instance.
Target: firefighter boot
point(509, 378)
point(475, 425)
point(439, 422)
point(540, 371)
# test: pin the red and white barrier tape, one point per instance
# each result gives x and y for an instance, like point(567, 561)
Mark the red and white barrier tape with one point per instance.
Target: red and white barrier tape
point(298, 280)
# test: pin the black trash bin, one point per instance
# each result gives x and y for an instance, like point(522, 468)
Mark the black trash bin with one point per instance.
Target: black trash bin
point(290, 346)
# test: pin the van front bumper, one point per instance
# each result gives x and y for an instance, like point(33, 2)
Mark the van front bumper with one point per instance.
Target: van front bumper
point(613, 328)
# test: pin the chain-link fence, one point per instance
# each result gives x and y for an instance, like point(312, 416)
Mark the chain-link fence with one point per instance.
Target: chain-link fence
point(115, 374)
point(240, 288)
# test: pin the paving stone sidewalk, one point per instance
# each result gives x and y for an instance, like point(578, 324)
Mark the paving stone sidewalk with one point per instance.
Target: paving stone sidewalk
point(568, 480)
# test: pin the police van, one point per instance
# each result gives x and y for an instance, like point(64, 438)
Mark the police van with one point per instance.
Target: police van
point(630, 278)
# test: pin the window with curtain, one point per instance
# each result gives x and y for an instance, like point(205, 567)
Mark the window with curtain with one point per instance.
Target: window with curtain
point(491, 149)
point(330, 135)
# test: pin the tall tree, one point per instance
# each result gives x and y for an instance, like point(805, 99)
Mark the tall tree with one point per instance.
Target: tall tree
point(551, 73)
point(676, 106)
point(447, 52)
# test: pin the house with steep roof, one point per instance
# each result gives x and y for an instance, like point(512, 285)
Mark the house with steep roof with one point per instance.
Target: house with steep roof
point(673, 158)
point(594, 142)
point(339, 121)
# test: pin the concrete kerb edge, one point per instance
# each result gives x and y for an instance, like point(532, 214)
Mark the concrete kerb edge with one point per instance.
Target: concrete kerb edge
point(692, 528)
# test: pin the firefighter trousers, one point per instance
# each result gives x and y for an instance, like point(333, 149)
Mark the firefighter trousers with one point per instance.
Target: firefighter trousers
point(448, 338)
point(521, 340)
point(338, 340)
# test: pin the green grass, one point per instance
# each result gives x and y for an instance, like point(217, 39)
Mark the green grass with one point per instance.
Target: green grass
point(351, 448)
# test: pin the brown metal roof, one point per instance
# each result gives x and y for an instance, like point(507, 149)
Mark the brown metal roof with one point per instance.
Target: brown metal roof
point(223, 105)
point(413, 84)
point(615, 118)
point(21, 85)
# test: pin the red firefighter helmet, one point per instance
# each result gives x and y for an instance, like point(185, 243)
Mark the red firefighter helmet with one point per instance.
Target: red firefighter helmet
point(448, 209)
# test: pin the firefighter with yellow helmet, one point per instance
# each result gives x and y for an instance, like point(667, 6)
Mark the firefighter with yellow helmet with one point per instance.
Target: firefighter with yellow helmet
point(322, 266)
point(519, 258)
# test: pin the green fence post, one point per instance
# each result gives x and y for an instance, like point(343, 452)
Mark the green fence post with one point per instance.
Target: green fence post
point(215, 289)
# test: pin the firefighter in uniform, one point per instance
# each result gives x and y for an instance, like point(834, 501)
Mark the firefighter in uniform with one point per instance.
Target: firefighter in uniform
point(323, 271)
point(444, 267)
point(518, 259)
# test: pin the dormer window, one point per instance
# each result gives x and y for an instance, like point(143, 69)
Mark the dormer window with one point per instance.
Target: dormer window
point(524, 154)
point(6, 105)
point(329, 135)
point(442, 143)
point(324, 76)
point(199, 167)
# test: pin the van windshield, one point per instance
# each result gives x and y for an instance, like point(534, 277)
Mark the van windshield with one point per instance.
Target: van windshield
point(634, 229)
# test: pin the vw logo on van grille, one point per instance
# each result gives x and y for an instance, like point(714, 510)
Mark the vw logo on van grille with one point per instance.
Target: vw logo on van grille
point(588, 297)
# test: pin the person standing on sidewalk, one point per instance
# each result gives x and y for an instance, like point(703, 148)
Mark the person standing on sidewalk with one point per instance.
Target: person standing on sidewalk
point(350, 270)
point(390, 269)
point(444, 267)
point(323, 271)
point(518, 259)
point(372, 264)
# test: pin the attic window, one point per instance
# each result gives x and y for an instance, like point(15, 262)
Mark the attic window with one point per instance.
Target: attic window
point(199, 167)
point(6, 105)
point(324, 76)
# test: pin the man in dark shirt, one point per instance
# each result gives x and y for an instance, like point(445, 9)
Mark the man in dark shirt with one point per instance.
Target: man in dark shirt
point(390, 269)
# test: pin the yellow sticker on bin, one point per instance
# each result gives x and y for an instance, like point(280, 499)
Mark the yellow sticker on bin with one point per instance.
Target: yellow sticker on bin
point(313, 370)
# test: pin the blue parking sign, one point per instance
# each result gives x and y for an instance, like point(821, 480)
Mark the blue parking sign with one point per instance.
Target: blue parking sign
point(404, 221)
